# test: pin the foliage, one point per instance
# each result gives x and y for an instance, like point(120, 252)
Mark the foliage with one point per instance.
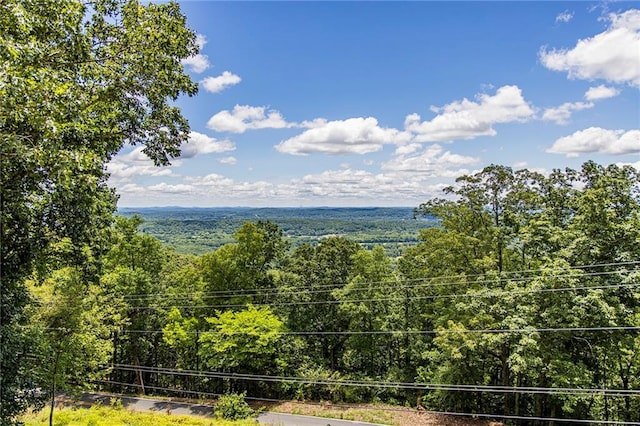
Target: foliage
point(73, 321)
point(107, 416)
point(77, 81)
point(242, 341)
point(233, 407)
point(510, 291)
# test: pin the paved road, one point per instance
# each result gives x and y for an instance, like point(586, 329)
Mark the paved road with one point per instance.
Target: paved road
point(269, 418)
point(174, 407)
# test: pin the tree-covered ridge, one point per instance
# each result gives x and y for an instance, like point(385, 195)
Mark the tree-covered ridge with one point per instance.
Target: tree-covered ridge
point(200, 230)
point(523, 303)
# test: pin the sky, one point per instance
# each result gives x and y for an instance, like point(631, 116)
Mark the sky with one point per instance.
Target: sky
point(386, 103)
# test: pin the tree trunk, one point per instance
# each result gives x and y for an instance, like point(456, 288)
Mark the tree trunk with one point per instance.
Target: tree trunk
point(53, 387)
point(139, 374)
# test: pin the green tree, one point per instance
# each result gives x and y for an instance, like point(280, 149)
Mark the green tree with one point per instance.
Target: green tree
point(244, 341)
point(243, 266)
point(320, 271)
point(78, 81)
point(73, 321)
point(576, 229)
point(133, 271)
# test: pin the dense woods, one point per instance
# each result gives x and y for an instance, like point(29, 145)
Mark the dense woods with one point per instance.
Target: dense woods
point(522, 302)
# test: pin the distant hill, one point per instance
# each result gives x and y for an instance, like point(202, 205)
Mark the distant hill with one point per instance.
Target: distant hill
point(201, 230)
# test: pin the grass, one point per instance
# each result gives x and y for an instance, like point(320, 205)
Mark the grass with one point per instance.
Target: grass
point(109, 416)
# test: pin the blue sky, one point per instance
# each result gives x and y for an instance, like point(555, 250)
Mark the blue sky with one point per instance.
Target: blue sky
point(385, 103)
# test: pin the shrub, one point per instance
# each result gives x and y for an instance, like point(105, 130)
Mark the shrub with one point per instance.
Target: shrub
point(234, 407)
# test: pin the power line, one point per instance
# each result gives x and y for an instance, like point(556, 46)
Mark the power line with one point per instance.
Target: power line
point(393, 332)
point(402, 410)
point(531, 418)
point(381, 384)
point(395, 299)
point(267, 292)
point(457, 277)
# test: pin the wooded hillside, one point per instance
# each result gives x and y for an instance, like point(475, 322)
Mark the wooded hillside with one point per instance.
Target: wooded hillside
point(523, 303)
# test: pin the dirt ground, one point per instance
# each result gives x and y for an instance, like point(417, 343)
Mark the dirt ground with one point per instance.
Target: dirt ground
point(375, 413)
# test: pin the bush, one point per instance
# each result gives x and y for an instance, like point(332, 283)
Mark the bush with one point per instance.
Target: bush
point(234, 407)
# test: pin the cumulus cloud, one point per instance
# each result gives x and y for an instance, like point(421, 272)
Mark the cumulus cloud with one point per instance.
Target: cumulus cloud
point(199, 143)
point(198, 63)
point(611, 55)
point(221, 82)
point(351, 187)
point(245, 117)
point(433, 161)
point(164, 187)
point(220, 186)
point(228, 160)
point(598, 140)
point(124, 167)
point(635, 165)
point(358, 187)
point(351, 136)
point(467, 119)
point(565, 16)
point(601, 92)
point(408, 149)
point(562, 113)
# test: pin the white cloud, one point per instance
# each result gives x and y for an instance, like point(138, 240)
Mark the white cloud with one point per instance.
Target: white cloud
point(199, 143)
point(408, 149)
point(212, 179)
point(351, 136)
point(432, 162)
point(467, 119)
point(562, 113)
point(198, 62)
point(601, 92)
point(635, 165)
point(312, 124)
point(346, 187)
point(565, 16)
point(599, 140)
point(220, 186)
point(164, 187)
point(228, 160)
point(124, 167)
point(245, 117)
point(201, 40)
point(221, 82)
point(358, 187)
point(520, 164)
point(612, 55)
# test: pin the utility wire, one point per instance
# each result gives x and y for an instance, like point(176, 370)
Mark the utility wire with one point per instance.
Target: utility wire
point(363, 286)
point(456, 277)
point(391, 332)
point(381, 384)
point(402, 410)
point(394, 299)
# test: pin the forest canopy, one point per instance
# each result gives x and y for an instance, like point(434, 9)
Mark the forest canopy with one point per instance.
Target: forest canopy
point(523, 301)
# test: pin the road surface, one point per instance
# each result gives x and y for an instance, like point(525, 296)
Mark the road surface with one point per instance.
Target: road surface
point(185, 408)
